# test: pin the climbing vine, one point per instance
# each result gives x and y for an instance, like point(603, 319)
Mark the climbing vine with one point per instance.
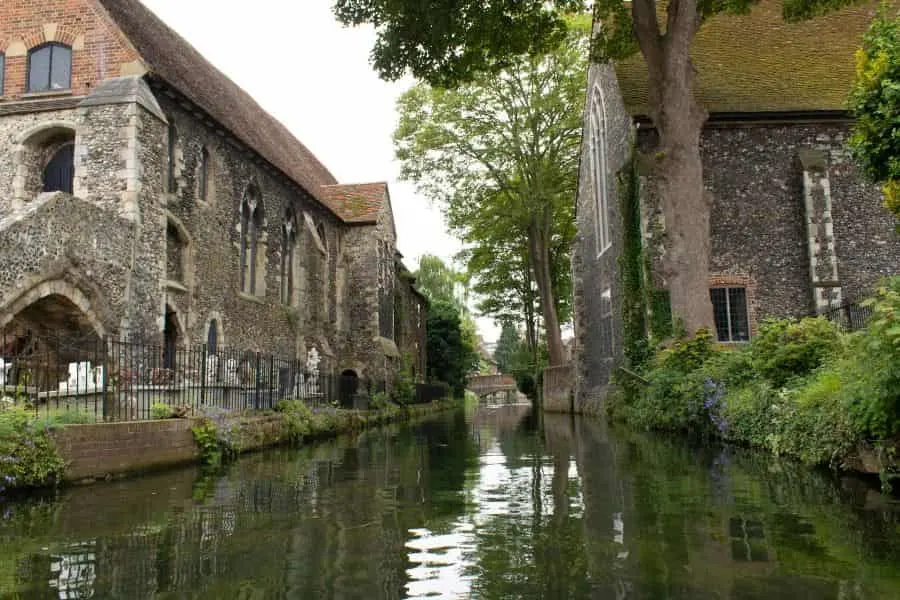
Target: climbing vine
point(631, 269)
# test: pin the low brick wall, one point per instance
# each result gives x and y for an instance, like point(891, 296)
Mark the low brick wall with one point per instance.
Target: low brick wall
point(559, 388)
point(95, 451)
point(129, 448)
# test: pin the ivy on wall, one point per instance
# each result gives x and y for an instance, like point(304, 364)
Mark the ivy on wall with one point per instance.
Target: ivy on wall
point(646, 311)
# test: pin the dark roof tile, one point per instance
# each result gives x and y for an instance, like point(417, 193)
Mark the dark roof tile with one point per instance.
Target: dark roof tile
point(759, 63)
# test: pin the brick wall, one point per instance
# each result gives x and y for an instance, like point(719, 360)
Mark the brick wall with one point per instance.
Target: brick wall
point(93, 451)
point(98, 49)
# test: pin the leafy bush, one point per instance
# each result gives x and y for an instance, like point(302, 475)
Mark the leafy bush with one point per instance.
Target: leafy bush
point(378, 401)
point(217, 437)
point(785, 349)
point(161, 411)
point(404, 388)
point(297, 418)
point(28, 457)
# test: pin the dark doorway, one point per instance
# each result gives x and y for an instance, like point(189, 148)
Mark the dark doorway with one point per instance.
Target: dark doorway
point(348, 388)
point(170, 339)
point(59, 174)
point(212, 338)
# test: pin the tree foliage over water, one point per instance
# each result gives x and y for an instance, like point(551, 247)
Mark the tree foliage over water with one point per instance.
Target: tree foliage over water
point(500, 153)
point(451, 42)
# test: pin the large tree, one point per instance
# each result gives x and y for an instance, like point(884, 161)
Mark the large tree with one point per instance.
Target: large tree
point(875, 102)
point(450, 41)
point(501, 154)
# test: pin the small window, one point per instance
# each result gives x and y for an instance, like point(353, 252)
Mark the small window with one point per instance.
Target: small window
point(50, 68)
point(203, 175)
point(59, 174)
point(2, 71)
point(730, 313)
point(171, 137)
point(320, 229)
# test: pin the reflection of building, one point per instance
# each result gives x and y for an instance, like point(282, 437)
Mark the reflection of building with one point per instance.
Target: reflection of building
point(794, 227)
point(144, 194)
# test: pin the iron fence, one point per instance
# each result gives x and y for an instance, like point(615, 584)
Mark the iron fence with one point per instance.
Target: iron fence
point(850, 316)
point(108, 380)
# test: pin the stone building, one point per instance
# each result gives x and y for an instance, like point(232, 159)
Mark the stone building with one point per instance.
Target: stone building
point(144, 195)
point(795, 228)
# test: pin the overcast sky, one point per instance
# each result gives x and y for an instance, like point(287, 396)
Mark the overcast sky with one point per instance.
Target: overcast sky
point(314, 76)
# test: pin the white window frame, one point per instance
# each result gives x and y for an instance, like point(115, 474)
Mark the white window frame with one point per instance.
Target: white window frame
point(727, 289)
point(600, 169)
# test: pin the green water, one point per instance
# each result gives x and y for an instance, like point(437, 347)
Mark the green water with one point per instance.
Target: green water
point(490, 504)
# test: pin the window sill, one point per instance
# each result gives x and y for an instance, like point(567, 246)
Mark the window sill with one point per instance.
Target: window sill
point(176, 285)
point(251, 298)
point(48, 94)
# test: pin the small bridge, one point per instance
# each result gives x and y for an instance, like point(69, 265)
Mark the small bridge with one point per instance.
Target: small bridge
point(493, 386)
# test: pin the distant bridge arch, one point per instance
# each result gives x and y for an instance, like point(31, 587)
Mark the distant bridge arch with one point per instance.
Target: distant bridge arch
point(486, 386)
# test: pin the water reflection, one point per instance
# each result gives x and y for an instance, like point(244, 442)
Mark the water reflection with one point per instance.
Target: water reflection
point(492, 504)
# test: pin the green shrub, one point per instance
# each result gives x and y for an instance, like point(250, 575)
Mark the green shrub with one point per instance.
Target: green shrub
point(378, 401)
point(747, 411)
point(785, 349)
point(297, 418)
point(217, 436)
point(28, 457)
point(161, 411)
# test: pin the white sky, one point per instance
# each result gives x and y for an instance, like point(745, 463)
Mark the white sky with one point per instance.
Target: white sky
point(314, 76)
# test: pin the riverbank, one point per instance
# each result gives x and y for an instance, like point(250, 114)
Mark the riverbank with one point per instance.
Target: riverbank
point(36, 454)
point(800, 388)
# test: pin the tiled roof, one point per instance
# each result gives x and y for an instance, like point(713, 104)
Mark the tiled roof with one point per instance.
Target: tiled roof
point(759, 63)
point(356, 202)
point(173, 59)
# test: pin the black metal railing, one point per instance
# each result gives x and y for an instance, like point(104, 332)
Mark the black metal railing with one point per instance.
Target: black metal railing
point(110, 380)
point(850, 316)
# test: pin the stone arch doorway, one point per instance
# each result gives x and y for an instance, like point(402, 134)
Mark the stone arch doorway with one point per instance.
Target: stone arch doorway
point(171, 338)
point(349, 387)
point(42, 336)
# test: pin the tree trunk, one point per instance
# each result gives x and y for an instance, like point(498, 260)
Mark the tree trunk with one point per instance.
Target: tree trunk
point(679, 120)
point(539, 253)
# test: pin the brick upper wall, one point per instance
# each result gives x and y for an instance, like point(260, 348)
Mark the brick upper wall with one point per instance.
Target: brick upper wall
point(99, 50)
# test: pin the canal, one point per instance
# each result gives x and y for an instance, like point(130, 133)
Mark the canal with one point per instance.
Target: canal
point(490, 503)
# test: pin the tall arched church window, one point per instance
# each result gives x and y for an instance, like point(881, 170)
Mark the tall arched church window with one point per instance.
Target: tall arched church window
point(171, 139)
point(600, 169)
point(251, 236)
point(203, 175)
point(59, 174)
point(212, 337)
point(50, 68)
point(288, 253)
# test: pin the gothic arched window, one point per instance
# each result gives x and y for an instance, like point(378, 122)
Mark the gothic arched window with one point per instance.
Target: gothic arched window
point(50, 68)
point(288, 253)
point(203, 175)
point(252, 267)
point(600, 168)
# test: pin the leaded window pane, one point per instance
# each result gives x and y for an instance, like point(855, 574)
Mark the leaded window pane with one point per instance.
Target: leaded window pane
point(39, 69)
point(737, 304)
point(730, 314)
point(61, 68)
point(719, 297)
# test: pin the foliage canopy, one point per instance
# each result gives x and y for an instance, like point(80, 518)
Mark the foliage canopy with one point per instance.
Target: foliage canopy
point(875, 102)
